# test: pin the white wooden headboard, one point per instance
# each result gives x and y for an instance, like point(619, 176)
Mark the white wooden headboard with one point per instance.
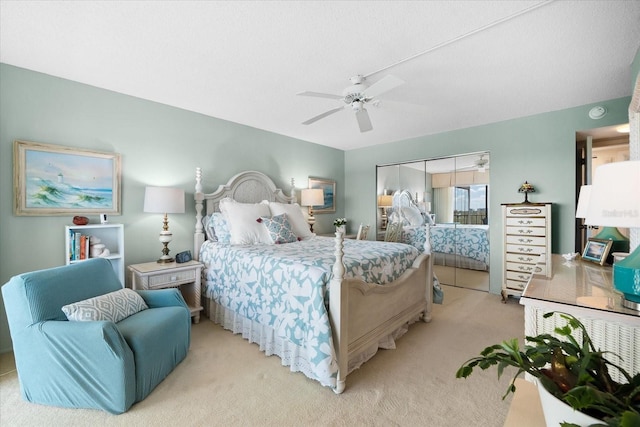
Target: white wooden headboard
point(244, 187)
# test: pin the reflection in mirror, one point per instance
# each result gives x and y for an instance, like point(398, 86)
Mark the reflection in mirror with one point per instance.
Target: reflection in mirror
point(451, 194)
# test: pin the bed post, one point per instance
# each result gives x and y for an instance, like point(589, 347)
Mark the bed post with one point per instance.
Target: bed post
point(293, 191)
point(198, 237)
point(427, 238)
point(338, 314)
point(426, 316)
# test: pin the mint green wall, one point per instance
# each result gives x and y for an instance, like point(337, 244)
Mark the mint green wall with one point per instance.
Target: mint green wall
point(539, 149)
point(160, 145)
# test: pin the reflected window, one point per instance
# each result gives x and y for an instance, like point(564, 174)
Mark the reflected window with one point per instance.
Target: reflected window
point(470, 204)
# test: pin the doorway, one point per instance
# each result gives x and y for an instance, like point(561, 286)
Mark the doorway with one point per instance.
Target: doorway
point(595, 147)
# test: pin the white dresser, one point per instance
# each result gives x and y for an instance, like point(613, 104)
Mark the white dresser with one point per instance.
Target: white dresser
point(527, 245)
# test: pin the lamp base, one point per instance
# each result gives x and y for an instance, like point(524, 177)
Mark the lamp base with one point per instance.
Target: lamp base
point(626, 279)
point(630, 304)
point(164, 260)
point(620, 242)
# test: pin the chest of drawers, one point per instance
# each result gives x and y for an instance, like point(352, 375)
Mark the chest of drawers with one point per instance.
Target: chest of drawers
point(527, 244)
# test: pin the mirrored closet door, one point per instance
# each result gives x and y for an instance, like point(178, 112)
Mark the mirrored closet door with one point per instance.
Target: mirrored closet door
point(452, 194)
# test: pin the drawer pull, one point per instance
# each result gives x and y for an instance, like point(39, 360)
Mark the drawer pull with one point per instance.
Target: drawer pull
point(521, 258)
point(523, 277)
point(525, 222)
point(525, 240)
point(525, 231)
point(521, 249)
point(523, 268)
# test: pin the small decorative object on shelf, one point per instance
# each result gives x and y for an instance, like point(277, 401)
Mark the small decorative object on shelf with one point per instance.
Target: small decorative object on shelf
point(80, 220)
point(526, 188)
point(340, 224)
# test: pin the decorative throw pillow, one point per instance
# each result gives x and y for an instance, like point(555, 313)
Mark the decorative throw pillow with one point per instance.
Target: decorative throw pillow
point(296, 218)
point(279, 229)
point(219, 228)
point(241, 218)
point(113, 307)
point(413, 216)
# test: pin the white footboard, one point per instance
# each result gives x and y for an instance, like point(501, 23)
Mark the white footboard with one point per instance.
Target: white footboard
point(363, 313)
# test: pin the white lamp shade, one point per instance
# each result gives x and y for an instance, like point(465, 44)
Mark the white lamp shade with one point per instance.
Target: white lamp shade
point(583, 201)
point(312, 197)
point(615, 195)
point(163, 200)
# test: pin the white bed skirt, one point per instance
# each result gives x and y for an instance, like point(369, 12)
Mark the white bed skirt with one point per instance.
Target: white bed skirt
point(290, 354)
point(453, 260)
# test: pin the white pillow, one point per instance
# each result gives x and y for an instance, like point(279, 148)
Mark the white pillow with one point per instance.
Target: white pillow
point(112, 307)
point(299, 224)
point(242, 220)
point(413, 215)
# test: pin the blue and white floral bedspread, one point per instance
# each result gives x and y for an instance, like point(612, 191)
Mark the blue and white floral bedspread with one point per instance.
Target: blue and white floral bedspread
point(471, 241)
point(285, 286)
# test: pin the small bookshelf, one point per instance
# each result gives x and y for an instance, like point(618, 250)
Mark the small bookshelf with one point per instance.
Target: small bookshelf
point(78, 249)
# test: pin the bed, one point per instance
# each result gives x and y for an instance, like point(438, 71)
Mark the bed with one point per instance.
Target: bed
point(324, 305)
point(453, 245)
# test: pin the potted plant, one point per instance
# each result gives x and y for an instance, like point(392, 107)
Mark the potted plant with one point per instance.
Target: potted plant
point(572, 371)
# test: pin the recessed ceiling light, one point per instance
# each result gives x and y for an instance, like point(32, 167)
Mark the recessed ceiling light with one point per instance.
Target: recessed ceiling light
point(597, 112)
point(623, 128)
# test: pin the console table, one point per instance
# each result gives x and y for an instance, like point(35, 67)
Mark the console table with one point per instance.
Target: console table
point(584, 290)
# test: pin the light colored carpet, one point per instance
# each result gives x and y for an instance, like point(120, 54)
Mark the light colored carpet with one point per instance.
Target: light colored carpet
point(227, 381)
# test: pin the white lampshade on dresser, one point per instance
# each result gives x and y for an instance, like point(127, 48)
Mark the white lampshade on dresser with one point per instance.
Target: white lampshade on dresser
point(615, 202)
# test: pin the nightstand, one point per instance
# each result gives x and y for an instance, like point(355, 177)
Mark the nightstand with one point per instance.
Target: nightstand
point(185, 276)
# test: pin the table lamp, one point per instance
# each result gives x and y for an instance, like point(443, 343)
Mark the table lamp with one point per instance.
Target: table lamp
point(385, 201)
point(620, 242)
point(615, 202)
point(164, 200)
point(311, 197)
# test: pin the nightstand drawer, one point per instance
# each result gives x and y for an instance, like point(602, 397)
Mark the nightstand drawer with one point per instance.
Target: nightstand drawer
point(170, 278)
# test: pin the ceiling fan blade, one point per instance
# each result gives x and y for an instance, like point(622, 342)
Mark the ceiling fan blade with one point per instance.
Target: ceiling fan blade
point(322, 116)
point(320, 95)
point(363, 120)
point(383, 85)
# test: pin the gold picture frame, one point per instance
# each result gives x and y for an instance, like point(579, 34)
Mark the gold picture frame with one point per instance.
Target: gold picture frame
point(328, 187)
point(597, 250)
point(56, 180)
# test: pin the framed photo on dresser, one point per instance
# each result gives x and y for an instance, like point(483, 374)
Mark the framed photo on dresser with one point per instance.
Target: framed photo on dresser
point(596, 250)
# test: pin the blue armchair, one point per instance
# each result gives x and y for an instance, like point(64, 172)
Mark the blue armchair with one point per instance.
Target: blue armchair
point(91, 364)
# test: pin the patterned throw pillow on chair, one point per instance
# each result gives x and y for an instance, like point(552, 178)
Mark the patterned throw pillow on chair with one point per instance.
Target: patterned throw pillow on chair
point(279, 229)
point(113, 307)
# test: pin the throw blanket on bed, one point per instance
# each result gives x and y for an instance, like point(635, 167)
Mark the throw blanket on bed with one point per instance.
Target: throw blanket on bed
point(285, 286)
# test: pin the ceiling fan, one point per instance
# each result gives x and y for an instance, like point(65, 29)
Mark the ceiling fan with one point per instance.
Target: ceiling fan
point(479, 164)
point(357, 96)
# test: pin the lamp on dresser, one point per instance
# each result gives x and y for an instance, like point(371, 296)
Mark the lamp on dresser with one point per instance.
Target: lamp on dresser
point(164, 200)
point(615, 202)
point(620, 242)
point(311, 197)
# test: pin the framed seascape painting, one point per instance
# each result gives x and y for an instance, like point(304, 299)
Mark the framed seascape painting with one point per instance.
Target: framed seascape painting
point(56, 180)
point(328, 187)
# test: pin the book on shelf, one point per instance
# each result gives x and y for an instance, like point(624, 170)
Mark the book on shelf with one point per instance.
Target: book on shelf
point(78, 246)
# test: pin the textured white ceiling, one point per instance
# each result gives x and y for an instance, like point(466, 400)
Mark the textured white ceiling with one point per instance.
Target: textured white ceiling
point(245, 61)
